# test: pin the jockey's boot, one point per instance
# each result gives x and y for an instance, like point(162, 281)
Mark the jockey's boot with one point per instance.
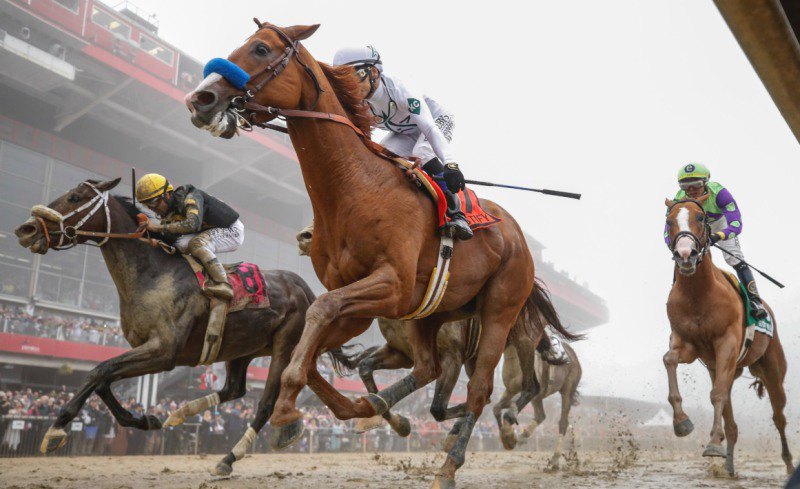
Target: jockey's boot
point(552, 350)
point(746, 277)
point(457, 227)
point(220, 286)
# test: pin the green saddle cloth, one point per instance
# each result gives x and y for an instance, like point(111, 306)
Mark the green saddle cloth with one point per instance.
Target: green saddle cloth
point(762, 325)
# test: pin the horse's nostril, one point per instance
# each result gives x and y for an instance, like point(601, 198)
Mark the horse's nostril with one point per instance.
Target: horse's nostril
point(26, 230)
point(204, 99)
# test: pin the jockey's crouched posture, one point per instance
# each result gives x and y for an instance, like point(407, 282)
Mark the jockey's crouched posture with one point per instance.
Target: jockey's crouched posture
point(417, 126)
point(199, 224)
point(725, 221)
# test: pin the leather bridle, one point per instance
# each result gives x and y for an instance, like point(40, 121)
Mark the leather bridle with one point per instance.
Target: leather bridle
point(244, 103)
point(68, 234)
point(702, 245)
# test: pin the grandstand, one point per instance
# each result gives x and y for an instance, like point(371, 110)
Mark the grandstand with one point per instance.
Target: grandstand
point(91, 91)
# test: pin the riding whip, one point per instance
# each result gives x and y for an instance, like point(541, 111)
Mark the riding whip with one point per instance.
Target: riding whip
point(133, 184)
point(749, 265)
point(545, 191)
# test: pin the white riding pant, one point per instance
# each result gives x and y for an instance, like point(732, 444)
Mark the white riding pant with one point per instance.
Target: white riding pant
point(730, 245)
point(218, 240)
point(412, 144)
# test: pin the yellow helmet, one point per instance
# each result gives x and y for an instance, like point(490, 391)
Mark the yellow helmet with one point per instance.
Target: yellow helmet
point(151, 186)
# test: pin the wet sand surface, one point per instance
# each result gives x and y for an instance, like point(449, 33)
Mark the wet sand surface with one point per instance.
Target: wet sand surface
point(394, 470)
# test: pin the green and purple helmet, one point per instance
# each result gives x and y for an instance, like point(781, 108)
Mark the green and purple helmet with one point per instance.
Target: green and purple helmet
point(694, 170)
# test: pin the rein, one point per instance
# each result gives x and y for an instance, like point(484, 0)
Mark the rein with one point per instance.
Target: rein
point(242, 104)
point(70, 234)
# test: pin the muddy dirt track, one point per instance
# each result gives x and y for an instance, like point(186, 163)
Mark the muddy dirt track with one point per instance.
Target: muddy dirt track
point(388, 471)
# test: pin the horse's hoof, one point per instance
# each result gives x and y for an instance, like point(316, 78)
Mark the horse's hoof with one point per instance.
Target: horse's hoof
point(153, 423)
point(441, 482)
point(175, 418)
point(508, 436)
point(281, 437)
point(366, 424)
point(449, 442)
point(222, 469)
point(54, 439)
point(683, 428)
point(401, 425)
point(714, 451)
point(509, 418)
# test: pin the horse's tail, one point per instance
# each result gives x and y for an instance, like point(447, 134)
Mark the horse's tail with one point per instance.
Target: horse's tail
point(539, 312)
point(758, 386)
point(576, 397)
point(345, 359)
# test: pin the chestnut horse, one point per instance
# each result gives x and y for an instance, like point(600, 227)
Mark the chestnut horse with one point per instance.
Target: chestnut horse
point(707, 317)
point(376, 237)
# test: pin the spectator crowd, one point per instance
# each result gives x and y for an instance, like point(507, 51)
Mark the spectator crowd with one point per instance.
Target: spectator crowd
point(14, 319)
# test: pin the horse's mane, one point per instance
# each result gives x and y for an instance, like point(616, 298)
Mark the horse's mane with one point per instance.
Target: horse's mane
point(345, 86)
point(131, 209)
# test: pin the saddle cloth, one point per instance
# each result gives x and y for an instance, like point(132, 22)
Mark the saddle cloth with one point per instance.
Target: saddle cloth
point(470, 205)
point(249, 286)
point(761, 325)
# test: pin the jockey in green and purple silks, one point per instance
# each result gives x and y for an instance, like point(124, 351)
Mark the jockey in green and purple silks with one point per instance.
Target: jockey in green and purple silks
point(725, 221)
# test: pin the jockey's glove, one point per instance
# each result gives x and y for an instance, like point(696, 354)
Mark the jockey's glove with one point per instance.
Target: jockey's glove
point(718, 236)
point(453, 177)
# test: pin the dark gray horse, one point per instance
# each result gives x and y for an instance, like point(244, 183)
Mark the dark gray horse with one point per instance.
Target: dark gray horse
point(164, 313)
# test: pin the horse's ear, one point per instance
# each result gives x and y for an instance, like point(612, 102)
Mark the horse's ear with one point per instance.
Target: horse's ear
point(669, 203)
point(108, 184)
point(704, 198)
point(300, 32)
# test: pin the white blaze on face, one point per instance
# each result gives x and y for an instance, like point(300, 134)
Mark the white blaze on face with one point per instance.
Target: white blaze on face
point(205, 83)
point(684, 244)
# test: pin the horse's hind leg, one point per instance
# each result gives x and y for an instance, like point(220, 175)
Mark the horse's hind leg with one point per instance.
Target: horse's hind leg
point(498, 316)
point(526, 354)
point(507, 435)
point(234, 388)
point(384, 358)
point(563, 424)
point(280, 358)
point(539, 416)
point(771, 370)
point(122, 415)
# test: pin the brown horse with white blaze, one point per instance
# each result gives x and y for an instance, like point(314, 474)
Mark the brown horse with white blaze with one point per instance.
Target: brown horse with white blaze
point(707, 318)
point(375, 235)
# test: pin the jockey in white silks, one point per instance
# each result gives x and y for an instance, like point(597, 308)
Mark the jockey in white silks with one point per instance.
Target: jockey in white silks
point(418, 127)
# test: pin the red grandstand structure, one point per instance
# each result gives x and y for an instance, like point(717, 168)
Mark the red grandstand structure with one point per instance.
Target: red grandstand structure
point(88, 90)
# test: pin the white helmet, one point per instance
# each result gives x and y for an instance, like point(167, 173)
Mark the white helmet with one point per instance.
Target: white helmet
point(358, 56)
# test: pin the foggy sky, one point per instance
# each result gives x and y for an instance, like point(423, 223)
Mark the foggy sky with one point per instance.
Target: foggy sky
point(604, 98)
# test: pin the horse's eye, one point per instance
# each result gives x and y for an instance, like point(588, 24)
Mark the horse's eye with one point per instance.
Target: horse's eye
point(699, 218)
point(262, 50)
point(74, 198)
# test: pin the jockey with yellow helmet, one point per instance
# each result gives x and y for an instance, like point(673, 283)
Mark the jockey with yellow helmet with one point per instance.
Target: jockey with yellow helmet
point(198, 223)
point(418, 126)
point(725, 221)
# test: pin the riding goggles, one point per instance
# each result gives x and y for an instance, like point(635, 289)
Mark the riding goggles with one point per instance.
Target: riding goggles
point(692, 184)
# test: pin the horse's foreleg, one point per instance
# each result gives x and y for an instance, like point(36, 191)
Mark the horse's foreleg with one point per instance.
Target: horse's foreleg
point(369, 297)
point(151, 357)
point(384, 358)
point(679, 352)
point(234, 388)
point(422, 336)
point(507, 435)
point(725, 353)
point(451, 369)
point(563, 424)
point(526, 355)
point(122, 415)
point(539, 416)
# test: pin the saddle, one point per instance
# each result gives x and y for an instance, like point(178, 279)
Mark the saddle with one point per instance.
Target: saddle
point(250, 291)
point(751, 324)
